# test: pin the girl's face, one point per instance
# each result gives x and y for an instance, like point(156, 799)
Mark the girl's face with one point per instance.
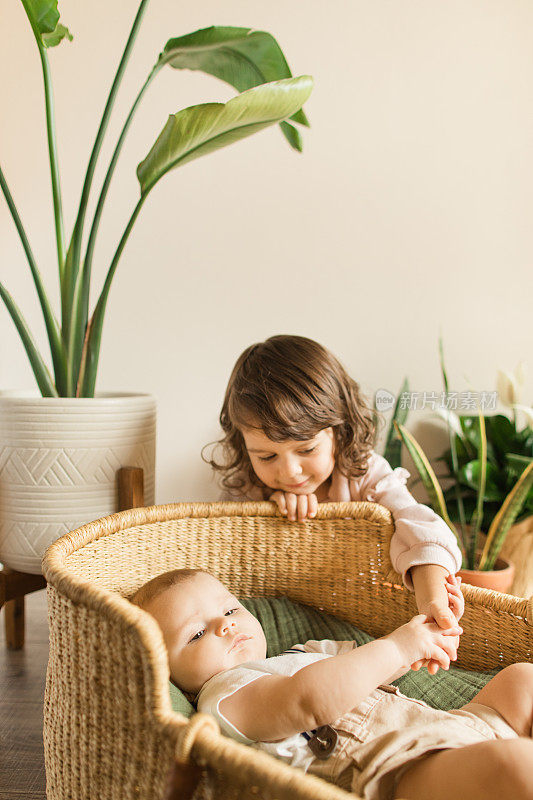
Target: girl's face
point(293, 466)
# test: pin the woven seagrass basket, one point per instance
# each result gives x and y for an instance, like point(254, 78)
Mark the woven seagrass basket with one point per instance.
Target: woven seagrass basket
point(109, 730)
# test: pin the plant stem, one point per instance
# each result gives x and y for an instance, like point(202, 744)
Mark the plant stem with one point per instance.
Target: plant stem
point(478, 513)
point(57, 349)
point(101, 200)
point(81, 306)
point(52, 145)
point(91, 350)
point(54, 164)
point(73, 257)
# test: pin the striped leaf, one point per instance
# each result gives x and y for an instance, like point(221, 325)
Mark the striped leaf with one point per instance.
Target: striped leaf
point(428, 477)
point(505, 517)
point(477, 516)
point(393, 445)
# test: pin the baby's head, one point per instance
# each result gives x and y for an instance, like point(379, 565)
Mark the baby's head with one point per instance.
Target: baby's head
point(205, 628)
point(290, 389)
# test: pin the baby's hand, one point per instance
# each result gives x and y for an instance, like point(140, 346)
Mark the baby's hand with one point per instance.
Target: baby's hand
point(295, 505)
point(422, 639)
point(443, 616)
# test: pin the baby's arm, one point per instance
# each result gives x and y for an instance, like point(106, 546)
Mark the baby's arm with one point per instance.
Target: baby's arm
point(274, 707)
point(334, 647)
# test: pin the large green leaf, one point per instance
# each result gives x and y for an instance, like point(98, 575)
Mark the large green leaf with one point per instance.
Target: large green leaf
point(199, 130)
point(470, 475)
point(241, 57)
point(502, 433)
point(44, 16)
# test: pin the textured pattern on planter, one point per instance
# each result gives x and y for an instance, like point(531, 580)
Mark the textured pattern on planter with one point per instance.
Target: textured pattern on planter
point(58, 463)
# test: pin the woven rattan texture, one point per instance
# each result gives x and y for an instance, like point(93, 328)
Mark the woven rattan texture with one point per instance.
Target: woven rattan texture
point(109, 728)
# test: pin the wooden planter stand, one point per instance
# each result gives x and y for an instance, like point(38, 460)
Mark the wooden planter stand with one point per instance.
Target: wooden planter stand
point(15, 585)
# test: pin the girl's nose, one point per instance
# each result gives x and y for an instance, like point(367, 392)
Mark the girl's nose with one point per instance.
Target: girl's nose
point(290, 470)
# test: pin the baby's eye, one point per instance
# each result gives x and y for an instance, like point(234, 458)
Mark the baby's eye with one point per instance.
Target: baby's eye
point(231, 611)
point(197, 636)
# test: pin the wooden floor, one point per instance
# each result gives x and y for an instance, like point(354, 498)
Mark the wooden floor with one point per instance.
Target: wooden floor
point(22, 678)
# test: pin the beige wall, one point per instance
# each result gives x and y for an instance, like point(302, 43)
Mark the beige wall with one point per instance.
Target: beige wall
point(410, 209)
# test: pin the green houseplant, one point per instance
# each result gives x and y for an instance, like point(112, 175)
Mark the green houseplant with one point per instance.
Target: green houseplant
point(250, 61)
point(59, 452)
point(392, 445)
point(491, 484)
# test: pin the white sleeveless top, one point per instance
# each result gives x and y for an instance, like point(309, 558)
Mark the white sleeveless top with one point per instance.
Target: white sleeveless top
point(293, 750)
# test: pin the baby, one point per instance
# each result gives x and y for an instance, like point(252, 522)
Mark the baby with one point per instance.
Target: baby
point(328, 707)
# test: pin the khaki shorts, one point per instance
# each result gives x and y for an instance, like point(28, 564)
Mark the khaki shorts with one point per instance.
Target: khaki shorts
point(382, 737)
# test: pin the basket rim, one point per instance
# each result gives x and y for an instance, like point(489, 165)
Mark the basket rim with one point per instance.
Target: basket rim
point(67, 544)
point(82, 590)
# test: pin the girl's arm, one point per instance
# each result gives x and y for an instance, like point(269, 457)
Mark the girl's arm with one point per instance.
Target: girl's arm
point(429, 582)
point(428, 587)
point(274, 707)
point(421, 537)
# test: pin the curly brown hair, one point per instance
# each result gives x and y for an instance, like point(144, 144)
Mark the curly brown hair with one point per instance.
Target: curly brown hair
point(291, 387)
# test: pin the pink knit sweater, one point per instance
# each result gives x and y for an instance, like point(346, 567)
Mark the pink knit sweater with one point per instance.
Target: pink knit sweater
point(420, 536)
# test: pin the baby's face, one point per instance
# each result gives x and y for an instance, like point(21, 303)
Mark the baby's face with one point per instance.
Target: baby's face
point(206, 630)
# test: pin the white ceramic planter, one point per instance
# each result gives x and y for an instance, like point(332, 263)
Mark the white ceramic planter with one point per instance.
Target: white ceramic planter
point(58, 463)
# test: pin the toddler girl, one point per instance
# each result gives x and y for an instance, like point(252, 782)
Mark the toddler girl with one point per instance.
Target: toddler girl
point(329, 708)
point(298, 432)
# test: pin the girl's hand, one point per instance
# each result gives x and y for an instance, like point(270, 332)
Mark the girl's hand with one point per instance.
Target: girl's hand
point(422, 640)
point(443, 617)
point(456, 600)
point(295, 505)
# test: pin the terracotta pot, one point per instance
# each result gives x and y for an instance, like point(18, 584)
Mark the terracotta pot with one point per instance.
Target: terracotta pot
point(498, 579)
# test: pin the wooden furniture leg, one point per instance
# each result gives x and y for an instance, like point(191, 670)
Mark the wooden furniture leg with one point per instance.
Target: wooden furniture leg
point(130, 488)
point(15, 585)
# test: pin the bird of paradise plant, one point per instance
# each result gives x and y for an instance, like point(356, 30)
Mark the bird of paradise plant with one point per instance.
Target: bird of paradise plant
point(251, 62)
point(467, 532)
